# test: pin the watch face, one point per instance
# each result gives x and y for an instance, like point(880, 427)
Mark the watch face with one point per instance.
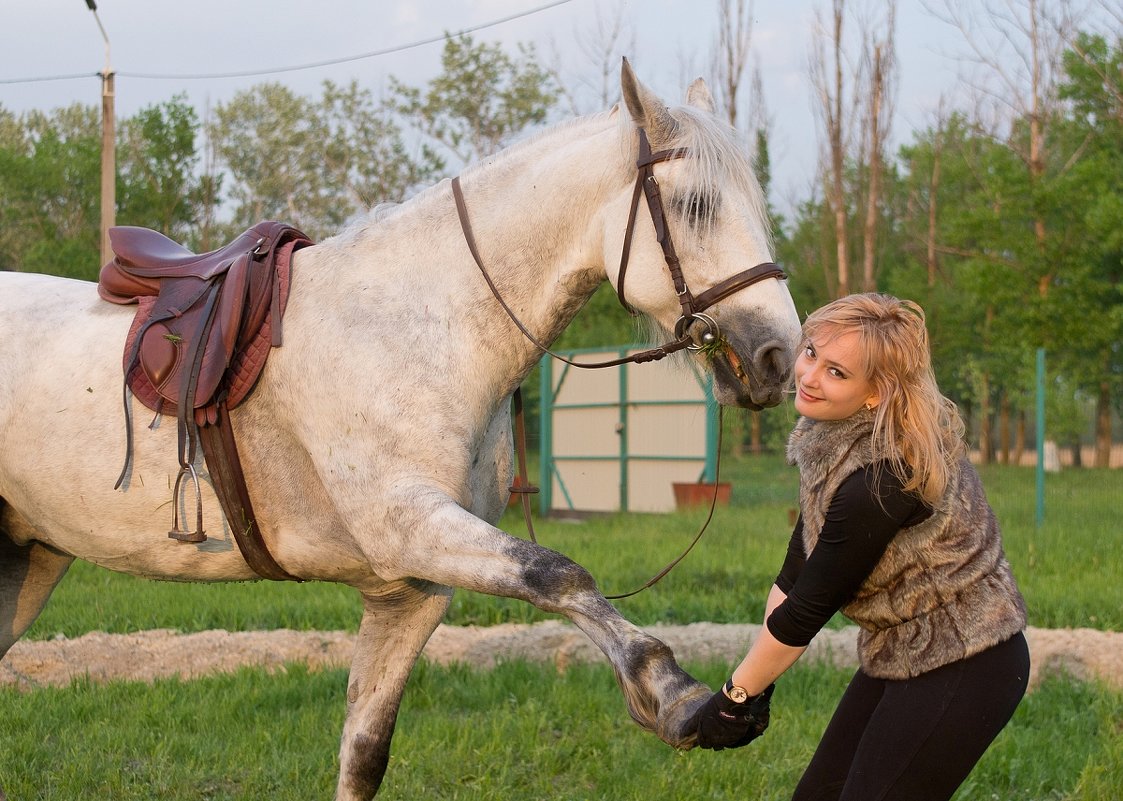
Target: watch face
point(737, 695)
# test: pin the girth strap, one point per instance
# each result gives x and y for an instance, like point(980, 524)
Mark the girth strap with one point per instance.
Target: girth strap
point(221, 452)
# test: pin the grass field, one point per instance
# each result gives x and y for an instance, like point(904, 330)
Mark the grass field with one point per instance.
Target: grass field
point(517, 732)
point(525, 731)
point(1068, 569)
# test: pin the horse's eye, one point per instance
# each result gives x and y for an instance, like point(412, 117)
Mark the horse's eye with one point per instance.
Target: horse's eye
point(696, 207)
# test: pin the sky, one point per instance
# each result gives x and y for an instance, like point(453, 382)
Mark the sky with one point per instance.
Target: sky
point(671, 42)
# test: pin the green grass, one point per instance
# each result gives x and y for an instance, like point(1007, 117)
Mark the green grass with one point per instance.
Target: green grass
point(518, 732)
point(1068, 568)
point(524, 731)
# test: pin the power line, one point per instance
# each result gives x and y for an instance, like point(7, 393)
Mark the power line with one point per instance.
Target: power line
point(295, 68)
point(51, 78)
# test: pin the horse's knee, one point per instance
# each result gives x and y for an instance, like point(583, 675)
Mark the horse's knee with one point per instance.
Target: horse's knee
point(550, 577)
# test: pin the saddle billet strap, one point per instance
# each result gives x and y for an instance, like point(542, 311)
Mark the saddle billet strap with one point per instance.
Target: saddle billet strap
point(131, 360)
point(221, 452)
point(185, 402)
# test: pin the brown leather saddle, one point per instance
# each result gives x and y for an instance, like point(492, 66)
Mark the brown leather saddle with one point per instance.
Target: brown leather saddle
point(196, 347)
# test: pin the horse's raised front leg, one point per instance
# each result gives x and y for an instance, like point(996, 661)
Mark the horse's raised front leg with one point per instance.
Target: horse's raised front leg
point(397, 622)
point(28, 574)
point(469, 553)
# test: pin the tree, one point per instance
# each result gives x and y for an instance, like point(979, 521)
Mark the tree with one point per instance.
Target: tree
point(1093, 84)
point(262, 137)
point(50, 167)
point(156, 160)
point(731, 56)
point(1014, 48)
point(827, 79)
point(592, 82)
point(482, 99)
point(363, 153)
point(314, 163)
point(881, 56)
point(1017, 48)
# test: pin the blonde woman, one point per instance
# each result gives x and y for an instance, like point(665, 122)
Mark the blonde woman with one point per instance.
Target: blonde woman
point(896, 532)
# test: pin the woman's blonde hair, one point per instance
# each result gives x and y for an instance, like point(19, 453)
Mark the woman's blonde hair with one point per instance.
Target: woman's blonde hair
point(915, 427)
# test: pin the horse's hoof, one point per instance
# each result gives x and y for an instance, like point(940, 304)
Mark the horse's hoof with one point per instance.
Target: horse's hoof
point(674, 724)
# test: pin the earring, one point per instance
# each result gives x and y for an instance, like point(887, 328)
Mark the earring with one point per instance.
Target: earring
point(868, 406)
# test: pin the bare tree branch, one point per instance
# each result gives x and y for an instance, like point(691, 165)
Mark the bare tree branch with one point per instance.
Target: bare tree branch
point(734, 39)
point(606, 40)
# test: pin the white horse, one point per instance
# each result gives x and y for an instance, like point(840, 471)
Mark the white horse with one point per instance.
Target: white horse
point(377, 445)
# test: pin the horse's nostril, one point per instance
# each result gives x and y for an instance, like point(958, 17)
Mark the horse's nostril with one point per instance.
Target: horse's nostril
point(774, 359)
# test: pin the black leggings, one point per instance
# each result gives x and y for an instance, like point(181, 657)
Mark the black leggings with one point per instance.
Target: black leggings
point(916, 739)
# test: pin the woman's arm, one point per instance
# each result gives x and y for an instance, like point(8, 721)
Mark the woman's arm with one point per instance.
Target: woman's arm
point(767, 658)
point(858, 526)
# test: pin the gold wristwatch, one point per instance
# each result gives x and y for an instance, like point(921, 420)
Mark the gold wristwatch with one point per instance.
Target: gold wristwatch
point(737, 695)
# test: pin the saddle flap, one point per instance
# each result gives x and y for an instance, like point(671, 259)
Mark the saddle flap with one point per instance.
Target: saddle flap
point(191, 341)
point(160, 349)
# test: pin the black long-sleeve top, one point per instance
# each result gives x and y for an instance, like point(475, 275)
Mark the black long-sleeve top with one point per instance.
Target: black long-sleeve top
point(860, 522)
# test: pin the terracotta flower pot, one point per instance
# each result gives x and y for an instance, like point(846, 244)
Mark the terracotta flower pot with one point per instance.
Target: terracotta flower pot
point(698, 493)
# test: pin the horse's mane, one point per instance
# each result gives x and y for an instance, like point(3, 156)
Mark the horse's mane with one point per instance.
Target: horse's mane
point(357, 224)
point(565, 126)
point(717, 159)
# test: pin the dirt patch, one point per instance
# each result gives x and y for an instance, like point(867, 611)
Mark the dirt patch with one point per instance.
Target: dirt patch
point(149, 655)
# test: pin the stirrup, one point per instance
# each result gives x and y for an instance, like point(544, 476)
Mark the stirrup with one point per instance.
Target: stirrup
point(182, 534)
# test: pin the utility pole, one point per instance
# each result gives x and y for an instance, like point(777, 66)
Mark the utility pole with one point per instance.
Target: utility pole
point(108, 147)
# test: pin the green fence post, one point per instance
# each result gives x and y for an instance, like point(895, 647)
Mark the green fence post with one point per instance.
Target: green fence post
point(1040, 516)
point(545, 436)
point(713, 420)
point(623, 434)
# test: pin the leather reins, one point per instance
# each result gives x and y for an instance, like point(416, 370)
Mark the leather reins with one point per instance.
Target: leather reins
point(692, 308)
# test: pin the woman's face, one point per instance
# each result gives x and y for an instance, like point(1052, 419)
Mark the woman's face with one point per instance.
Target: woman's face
point(830, 384)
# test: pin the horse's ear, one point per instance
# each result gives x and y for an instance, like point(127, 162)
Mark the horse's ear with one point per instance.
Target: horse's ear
point(698, 95)
point(647, 110)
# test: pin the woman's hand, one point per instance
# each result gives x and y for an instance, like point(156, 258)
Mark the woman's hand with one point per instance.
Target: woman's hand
point(721, 723)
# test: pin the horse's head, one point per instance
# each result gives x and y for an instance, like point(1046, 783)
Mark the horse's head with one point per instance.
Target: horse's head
point(707, 271)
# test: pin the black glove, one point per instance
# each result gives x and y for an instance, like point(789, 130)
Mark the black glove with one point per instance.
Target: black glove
point(721, 723)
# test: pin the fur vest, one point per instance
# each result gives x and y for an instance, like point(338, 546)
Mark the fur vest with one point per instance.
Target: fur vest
point(943, 590)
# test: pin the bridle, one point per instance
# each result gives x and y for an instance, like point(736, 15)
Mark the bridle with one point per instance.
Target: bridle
point(692, 307)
